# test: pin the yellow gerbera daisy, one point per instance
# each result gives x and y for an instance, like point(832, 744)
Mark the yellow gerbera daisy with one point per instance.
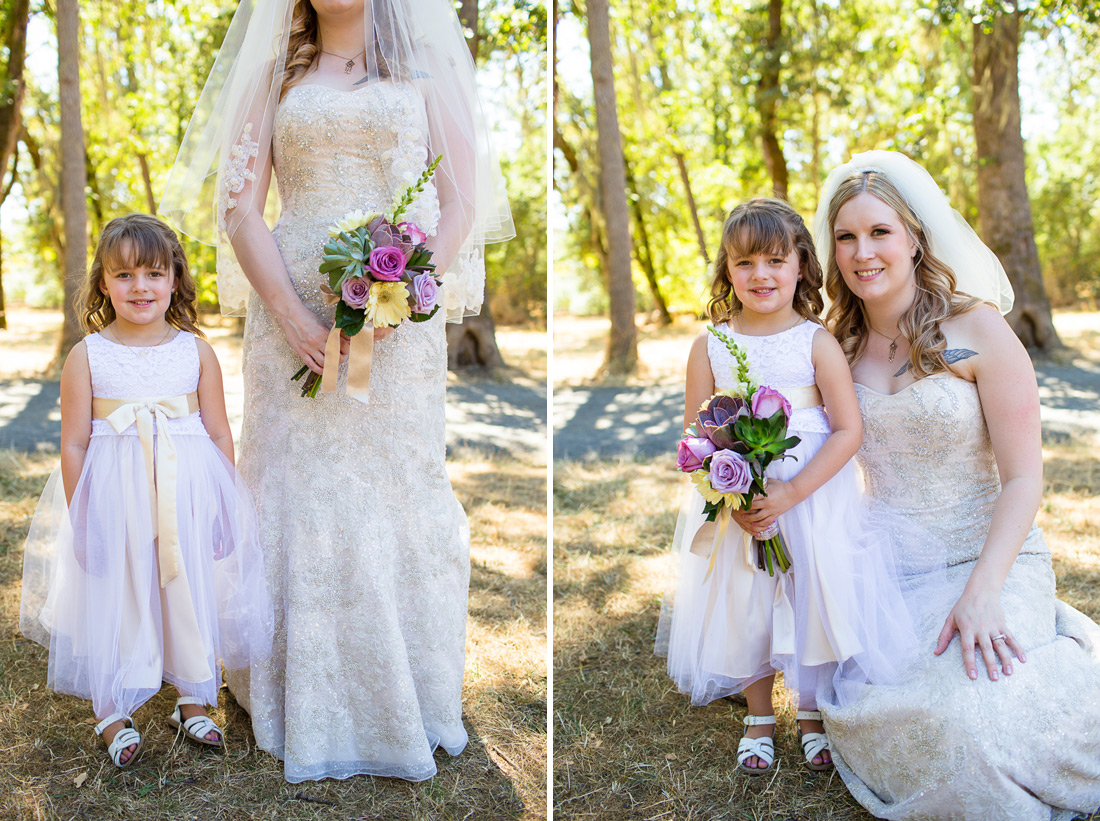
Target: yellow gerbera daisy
point(349, 222)
point(388, 304)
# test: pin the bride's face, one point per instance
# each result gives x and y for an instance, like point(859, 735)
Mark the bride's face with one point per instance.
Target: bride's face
point(873, 250)
point(337, 8)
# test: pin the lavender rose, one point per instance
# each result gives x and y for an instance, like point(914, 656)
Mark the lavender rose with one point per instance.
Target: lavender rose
point(767, 401)
point(355, 292)
point(729, 472)
point(414, 232)
point(387, 263)
point(693, 450)
point(425, 293)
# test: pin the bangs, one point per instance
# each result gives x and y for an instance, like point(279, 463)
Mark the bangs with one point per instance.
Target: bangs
point(135, 245)
point(758, 232)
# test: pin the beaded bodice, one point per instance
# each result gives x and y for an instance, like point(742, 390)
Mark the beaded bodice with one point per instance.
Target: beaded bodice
point(340, 151)
point(783, 360)
point(926, 453)
point(160, 372)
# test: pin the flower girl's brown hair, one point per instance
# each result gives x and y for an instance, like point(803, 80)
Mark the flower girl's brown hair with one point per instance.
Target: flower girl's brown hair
point(139, 240)
point(765, 226)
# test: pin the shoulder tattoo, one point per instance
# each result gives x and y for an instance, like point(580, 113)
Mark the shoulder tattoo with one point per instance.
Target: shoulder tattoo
point(950, 356)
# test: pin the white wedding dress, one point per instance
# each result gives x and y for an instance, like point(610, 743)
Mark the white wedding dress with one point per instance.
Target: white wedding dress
point(366, 546)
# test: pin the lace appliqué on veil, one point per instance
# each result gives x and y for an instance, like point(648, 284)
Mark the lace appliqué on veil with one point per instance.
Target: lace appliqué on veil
point(236, 173)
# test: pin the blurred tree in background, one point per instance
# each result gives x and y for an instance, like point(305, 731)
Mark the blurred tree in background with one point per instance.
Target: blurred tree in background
point(721, 101)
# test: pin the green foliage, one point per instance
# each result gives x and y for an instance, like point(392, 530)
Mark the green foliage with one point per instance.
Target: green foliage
point(854, 75)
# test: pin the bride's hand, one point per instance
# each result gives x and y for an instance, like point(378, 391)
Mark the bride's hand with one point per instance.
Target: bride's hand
point(382, 333)
point(979, 620)
point(306, 335)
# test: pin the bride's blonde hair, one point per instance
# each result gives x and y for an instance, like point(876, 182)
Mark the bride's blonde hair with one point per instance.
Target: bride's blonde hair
point(936, 298)
point(303, 47)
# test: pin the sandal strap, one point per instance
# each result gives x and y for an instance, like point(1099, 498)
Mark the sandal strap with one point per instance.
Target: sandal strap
point(127, 737)
point(195, 700)
point(763, 748)
point(808, 715)
point(753, 721)
point(813, 744)
point(200, 726)
point(111, 719)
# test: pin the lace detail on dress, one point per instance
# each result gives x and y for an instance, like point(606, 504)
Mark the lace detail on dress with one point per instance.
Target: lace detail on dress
point(464, 285)
point(783, 360)
point(236, 173)
point(938, 745)
point(366, 546)
point(121, 372)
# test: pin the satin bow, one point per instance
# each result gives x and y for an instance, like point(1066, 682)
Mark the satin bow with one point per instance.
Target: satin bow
point(161, 471)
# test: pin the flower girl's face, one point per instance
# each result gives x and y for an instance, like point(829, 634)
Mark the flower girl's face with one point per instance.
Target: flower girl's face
point(873, 250)
point(765, 283)
point(140, 294)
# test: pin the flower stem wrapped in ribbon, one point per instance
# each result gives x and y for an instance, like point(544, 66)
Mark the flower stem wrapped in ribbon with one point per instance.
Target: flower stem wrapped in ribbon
point(380, 274)
point(737, 434)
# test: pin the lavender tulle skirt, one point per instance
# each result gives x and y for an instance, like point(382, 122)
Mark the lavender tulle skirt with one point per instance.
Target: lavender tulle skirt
point(91, 586)
point(836, 618)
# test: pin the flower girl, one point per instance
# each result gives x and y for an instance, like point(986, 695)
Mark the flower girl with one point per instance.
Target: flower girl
point(142, 563)
point(733, 623)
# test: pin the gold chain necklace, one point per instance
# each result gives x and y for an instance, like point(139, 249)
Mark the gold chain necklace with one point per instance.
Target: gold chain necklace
point(350, 61)
point(893, 342)
point(140, 350)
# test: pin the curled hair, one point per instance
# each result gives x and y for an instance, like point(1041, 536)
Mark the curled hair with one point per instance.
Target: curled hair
point(936, 298)
point(765, 226)
point(303, 48)
point(133, 241)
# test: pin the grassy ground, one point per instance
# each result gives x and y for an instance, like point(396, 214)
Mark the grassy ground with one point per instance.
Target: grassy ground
point(627, 745)
point(53, 766)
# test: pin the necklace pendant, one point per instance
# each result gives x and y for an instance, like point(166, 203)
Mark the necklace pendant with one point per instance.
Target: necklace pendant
point(349, 66)
point(893, 350)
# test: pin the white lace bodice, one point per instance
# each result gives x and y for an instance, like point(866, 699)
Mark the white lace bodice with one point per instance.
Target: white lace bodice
point(783, 360)
point(122, 372)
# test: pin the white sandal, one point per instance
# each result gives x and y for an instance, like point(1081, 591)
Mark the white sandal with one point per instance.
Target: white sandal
point(813, 744)
point(126, 737)
point(763, 747)
point(196, 727)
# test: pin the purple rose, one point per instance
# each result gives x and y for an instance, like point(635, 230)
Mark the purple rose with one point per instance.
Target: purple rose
point(355, 291)
point(416, 235)
point(729, 472)
point(693, 450)
point(387, 263)
point(766, 402)
point(425, 293)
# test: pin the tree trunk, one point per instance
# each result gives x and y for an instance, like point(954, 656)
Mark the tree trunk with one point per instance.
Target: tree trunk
point(11, 107)
point(622, 348)
point(1004, 210)
point(767, 99)
point(467, 14)
point(74, 206)
point(645, 253)
point(682, 165)
point(146, 178)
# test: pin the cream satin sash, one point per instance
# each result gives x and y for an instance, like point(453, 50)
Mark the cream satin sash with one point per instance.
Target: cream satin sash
point(802, 398)
point(359, 362)
point(161, 472)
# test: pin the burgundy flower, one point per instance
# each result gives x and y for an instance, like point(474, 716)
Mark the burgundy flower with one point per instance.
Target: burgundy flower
point(716, 419)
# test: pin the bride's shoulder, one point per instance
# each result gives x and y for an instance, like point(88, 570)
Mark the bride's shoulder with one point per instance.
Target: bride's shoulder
point(980, 327)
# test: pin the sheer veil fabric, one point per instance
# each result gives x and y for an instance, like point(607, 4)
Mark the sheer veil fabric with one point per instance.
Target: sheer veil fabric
point(213, 183)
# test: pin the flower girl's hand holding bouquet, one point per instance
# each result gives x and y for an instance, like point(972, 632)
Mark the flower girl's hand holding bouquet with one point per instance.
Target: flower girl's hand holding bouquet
point(380, 274)
point(738, 433)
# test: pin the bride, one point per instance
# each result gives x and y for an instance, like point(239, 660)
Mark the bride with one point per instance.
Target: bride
point(366, 546)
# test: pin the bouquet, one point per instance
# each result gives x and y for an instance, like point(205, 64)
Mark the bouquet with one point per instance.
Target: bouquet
point(738, 433)
point(379, 273)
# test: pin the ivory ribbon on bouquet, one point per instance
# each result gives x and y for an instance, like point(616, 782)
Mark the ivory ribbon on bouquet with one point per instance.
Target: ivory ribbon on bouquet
point(360, 359)
point(704, 544)
point(161, 471)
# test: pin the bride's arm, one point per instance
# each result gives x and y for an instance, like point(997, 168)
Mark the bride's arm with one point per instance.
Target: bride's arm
point(1009, 398)
point(263, 266)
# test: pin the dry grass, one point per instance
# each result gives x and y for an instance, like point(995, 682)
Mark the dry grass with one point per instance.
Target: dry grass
point(579, 347)
point(52, 766)
point(627, 745)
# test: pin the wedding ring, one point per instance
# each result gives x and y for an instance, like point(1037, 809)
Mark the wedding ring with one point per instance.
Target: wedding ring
point(1001, 637)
